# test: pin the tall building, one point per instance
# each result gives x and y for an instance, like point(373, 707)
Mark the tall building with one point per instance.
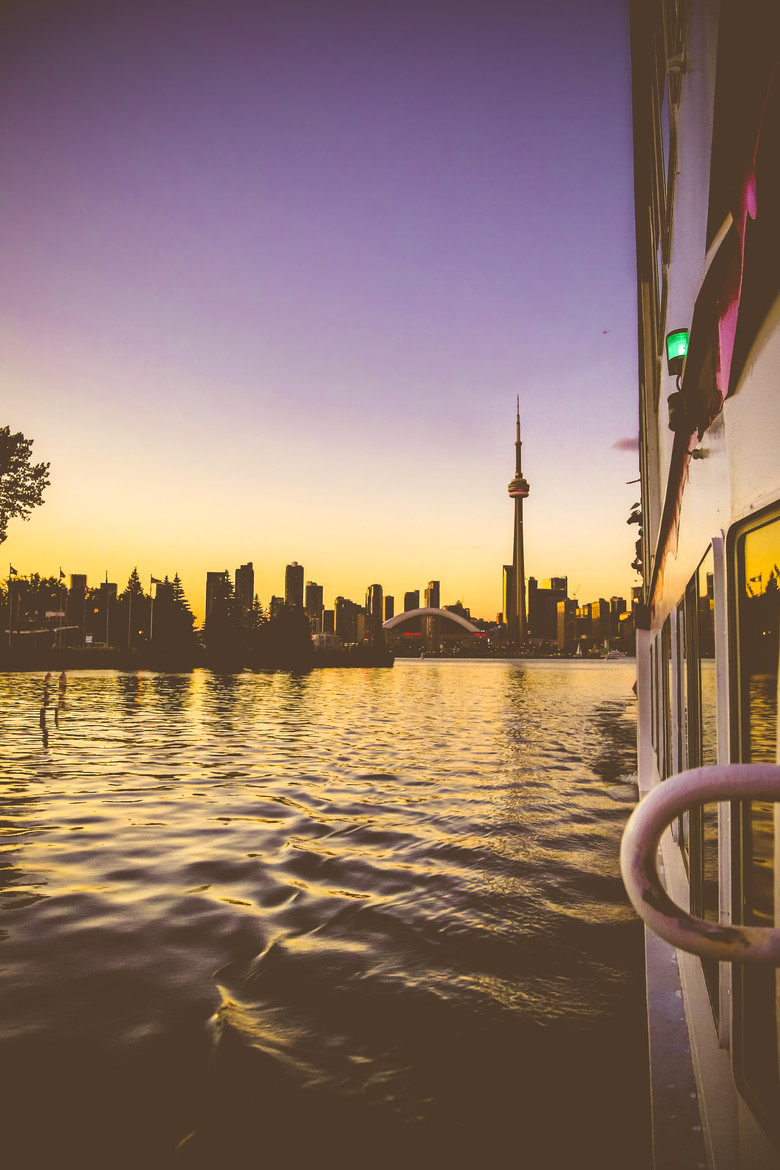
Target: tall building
point(432, 625)
point(411, 600)
point(374, 608)
point(245, 586)
point(215, 587)
point(293, 585)
point(515, 615)
point(506, 593)
point(76, 603)
point(600, 614)
point(389, 608)
point(567, 624)
point(543, 607)
point(314, 606)
point(345, 620)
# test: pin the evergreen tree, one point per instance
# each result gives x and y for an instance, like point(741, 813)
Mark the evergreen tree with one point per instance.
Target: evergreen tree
point(225, 629)
point(134, 613)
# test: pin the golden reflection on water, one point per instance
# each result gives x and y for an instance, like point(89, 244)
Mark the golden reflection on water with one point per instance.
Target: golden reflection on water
point(371, 862)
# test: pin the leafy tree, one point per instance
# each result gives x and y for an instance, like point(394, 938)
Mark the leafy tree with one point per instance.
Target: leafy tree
point(285, 640)
point(40, 594)
point(22, 482)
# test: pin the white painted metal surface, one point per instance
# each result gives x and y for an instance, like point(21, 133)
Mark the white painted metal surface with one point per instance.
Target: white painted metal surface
point(638, 860)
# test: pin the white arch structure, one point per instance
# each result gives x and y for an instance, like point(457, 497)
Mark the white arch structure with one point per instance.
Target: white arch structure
point(427, 611)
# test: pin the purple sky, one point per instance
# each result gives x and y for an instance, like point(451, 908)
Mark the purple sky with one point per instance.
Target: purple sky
point(272, 273)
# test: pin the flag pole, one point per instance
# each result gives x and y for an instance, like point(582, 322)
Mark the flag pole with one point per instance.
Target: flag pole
point(151, 607)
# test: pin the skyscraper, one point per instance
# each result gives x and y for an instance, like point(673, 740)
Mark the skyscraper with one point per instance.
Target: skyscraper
point(411, 600)
point(346, 615)
point(245, 586)
point(515, 618)
point(314, 606)
point(432, 625)
point(216, 586)
point(374, 607)
point(293, 584)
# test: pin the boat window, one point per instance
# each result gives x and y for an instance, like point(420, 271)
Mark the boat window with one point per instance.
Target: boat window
point(654, 697)
point(705, 655)
point(699, 828)
point(667, 765)
point(681, 747)
point(757, 586)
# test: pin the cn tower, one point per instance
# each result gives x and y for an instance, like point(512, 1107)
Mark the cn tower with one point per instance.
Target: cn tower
point(518, 490)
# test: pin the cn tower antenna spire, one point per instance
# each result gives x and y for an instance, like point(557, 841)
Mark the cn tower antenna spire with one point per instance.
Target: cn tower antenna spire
point(518, 443)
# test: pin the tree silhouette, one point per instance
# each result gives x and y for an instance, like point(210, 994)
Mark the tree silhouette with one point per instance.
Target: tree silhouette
point(173, 636)
point(22, 483)
point(225, 630)
point(133, 608)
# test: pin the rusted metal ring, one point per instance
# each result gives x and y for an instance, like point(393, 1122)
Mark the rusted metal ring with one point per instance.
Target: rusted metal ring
point(638, 861)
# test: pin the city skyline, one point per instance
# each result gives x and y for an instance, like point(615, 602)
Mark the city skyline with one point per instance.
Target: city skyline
point(411, 598)
point(278, 302)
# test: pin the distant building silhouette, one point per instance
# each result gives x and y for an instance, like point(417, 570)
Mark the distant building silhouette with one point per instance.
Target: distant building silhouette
point(245, 586)
point(293, 585)
point(215, 587)
point(389, 607)
point(314, 608)
point(459, 608)
point(506, 593)
point(432, 625)
point(346, 620)
point(567, 624)
point(374, 634)
point(411, 600)
point(161, 612)
point(76, 606)
point(543, 607)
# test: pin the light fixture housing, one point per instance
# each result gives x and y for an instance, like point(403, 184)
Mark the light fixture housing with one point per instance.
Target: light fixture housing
point(676, 350)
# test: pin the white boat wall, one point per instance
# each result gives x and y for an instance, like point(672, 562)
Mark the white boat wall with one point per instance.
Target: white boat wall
point(706, 109)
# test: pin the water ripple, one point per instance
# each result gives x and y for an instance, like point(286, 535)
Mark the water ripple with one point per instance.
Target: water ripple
point(385, 904)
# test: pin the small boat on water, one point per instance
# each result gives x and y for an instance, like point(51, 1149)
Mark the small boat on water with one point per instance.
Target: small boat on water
point(701, 855)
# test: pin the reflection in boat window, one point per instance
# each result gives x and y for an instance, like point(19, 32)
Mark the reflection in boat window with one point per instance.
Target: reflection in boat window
point(699, 827)
point(758, 643)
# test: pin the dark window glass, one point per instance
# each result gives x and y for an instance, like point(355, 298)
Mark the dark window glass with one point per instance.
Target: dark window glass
point(758, 642)
point(666, 705)
point(701, 826)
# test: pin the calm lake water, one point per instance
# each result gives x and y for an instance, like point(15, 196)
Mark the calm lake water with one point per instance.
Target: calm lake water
point(357, 917)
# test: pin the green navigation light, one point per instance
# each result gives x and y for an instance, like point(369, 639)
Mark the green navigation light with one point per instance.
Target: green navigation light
point(676, 350)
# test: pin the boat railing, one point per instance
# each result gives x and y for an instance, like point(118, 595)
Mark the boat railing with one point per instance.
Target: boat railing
point(639, 861)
